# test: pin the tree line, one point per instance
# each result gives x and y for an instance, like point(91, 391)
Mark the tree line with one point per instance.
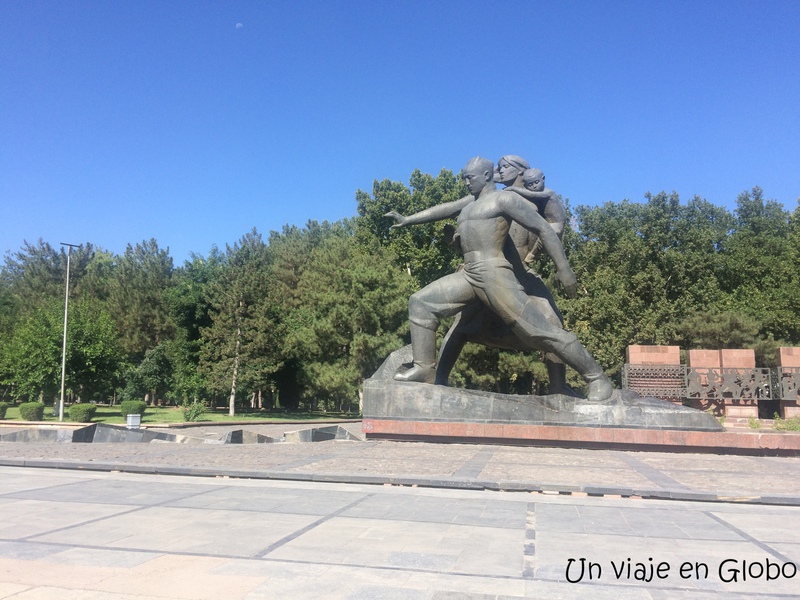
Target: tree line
point(297, 320)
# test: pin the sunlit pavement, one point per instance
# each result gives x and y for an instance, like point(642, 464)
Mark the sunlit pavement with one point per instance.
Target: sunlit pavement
point(67, 533)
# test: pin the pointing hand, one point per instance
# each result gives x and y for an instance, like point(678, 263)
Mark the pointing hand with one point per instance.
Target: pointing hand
point(401, 220)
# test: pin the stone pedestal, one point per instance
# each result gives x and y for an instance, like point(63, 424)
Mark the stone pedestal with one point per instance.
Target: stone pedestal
point(737, 359)
point(441, 411)
point(789, 367)
point(790, 409)
point(653, 355)
point(704, 359)
point(789, 357)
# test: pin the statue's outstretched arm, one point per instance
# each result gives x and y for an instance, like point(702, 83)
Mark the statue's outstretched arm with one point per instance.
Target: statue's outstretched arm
point(434, 213)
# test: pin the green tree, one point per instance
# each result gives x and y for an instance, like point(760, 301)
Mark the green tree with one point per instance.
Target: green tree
point(36, 274)
point(151, 378)
point(760, 277)
point(6, 332)
point(353, 314)
point(423, 249)
point(190, 310)
point(238, 347)
point(492, 370)
point(94, 358)
point(290, 253)
point(33, 358)
point(31, 309)
point(137, 298)
point(644, 269)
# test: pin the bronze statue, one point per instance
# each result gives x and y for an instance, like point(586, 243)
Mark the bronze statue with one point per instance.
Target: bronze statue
point(484, 221)
point(476, 322)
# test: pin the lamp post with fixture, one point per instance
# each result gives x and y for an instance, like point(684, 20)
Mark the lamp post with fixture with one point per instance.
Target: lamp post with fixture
point(64, 344)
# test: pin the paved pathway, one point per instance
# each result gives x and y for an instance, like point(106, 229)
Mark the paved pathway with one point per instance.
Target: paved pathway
point(771, 480)
point(92, 535)
point(286, 533)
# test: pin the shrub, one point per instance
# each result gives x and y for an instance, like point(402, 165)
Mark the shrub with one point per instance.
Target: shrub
point(31, 411)
point(81, 413)
point(3, 408)
point(753, 423)
point(792, 424)
point(192, 411)
point(132, 407)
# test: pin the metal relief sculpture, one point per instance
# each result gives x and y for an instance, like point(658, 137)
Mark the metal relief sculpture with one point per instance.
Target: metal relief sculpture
point(744, 384)
point(499, 302)
point(789, 383)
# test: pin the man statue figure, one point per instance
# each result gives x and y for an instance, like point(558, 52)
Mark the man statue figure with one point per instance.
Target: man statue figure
point(479, 324)
point(484, 219)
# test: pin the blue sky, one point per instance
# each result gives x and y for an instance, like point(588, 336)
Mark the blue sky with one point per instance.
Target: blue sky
point(192, 122)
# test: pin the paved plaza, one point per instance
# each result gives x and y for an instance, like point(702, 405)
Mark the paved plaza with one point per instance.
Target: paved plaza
point(299, 528)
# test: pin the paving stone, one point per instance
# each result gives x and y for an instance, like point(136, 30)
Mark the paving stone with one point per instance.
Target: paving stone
point(118, 534)
point(27, 550)
point(95, 557)
point(141, 493)
point(61, 593)
point(388, 593)
point(7, 590)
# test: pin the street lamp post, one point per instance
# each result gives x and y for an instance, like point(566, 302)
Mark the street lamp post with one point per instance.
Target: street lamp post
point(64, 343)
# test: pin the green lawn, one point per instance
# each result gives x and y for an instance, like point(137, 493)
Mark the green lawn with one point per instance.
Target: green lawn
point(163, 414)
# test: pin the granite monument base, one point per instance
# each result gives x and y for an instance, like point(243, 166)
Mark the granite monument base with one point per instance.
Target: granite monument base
point(492, 415)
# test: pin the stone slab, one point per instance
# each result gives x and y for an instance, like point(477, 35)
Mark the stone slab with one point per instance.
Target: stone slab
point(790, 410)
point(425, 402)
point(789, 357)
point(243, 436)
point(120, 434)
point(50, 434)
point(741, 411)
point(447, 408)
point(744, 358)
point(754, 443)
point(653, 355)
point(699, 359)
point(318, 434)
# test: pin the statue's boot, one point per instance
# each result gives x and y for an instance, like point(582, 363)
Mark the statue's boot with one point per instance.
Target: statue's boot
point(576, 356)
point(600, 387)
point(557, 376)
point(451, 347)
point(423, 349)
